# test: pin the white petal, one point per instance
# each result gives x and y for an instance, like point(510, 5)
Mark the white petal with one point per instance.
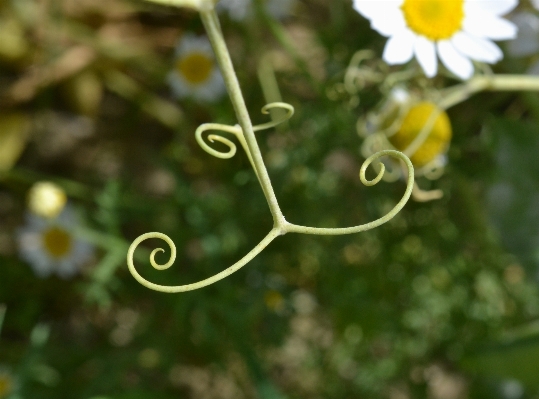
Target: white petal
point(527, 41)
point(535, 3)
point(425, 52)
point(390, 23)
point(82, 252)
point(489, 26)
point(190, 42)
point(66, 269)
point(496, 7)
point(375, 8)
point(178, 85)
point(454, 61)
point(399, 48)
point(365, 8)
point(476, 48)
point(212, 90)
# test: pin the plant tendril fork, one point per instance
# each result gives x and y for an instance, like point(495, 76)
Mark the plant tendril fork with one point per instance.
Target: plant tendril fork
point(245, 134)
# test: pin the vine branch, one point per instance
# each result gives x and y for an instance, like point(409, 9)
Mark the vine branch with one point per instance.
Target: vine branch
point(245, 134)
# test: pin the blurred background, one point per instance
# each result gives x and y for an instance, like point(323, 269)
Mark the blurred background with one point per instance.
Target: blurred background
point(97, 147)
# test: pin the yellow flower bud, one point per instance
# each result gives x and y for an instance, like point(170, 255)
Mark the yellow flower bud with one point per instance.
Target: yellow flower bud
point(435, 141)
point(46, 199)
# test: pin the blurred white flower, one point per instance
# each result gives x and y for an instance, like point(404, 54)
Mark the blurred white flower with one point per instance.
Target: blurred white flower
point(512, 389)
point(50, 245)
point(456, 31)
point(527, 41)
point(195, 72)
point(239, 10)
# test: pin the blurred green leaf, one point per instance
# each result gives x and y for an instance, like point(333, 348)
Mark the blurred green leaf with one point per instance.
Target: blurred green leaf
point(514, 360)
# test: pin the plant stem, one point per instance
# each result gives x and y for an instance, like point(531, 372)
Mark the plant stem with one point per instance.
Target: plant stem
point(2, 315)
point(460, 93)
point(248, 140)
point(211, 23)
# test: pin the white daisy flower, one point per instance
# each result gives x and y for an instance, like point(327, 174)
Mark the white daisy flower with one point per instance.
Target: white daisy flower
point(50, 245)
point(195, 72)
point(239, 10)
point(458, 31)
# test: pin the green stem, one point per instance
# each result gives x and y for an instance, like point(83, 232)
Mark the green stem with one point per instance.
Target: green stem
point(284, 40)
point(2, 315)
point(460, 93)
point(211, 23)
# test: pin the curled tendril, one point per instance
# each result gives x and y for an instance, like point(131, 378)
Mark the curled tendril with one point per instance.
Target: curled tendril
point(188, 287)
point(266, 111)
point(374, 181)
point(434, 169)
point(358, 76)
point(237, 131)
point(409, 185)
point(375, 223)
point(134, 245)
point(421, 195)
point(282, 227)
point(379, 154)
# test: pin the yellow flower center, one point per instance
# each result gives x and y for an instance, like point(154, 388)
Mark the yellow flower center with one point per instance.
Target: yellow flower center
point(435, 19)
point(57, 242)
point(6, 385)
point(434, 144)
point(195, 67)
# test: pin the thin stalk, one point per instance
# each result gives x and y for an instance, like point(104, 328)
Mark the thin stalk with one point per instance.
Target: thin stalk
point(2, 315)
point(211, 23)
point(460, 93)
point(284, 40)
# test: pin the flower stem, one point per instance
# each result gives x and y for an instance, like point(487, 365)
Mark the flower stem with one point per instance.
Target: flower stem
point(460, 93)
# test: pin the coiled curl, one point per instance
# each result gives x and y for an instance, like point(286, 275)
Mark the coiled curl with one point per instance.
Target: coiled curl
point(155, 265)
point(238, 132)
